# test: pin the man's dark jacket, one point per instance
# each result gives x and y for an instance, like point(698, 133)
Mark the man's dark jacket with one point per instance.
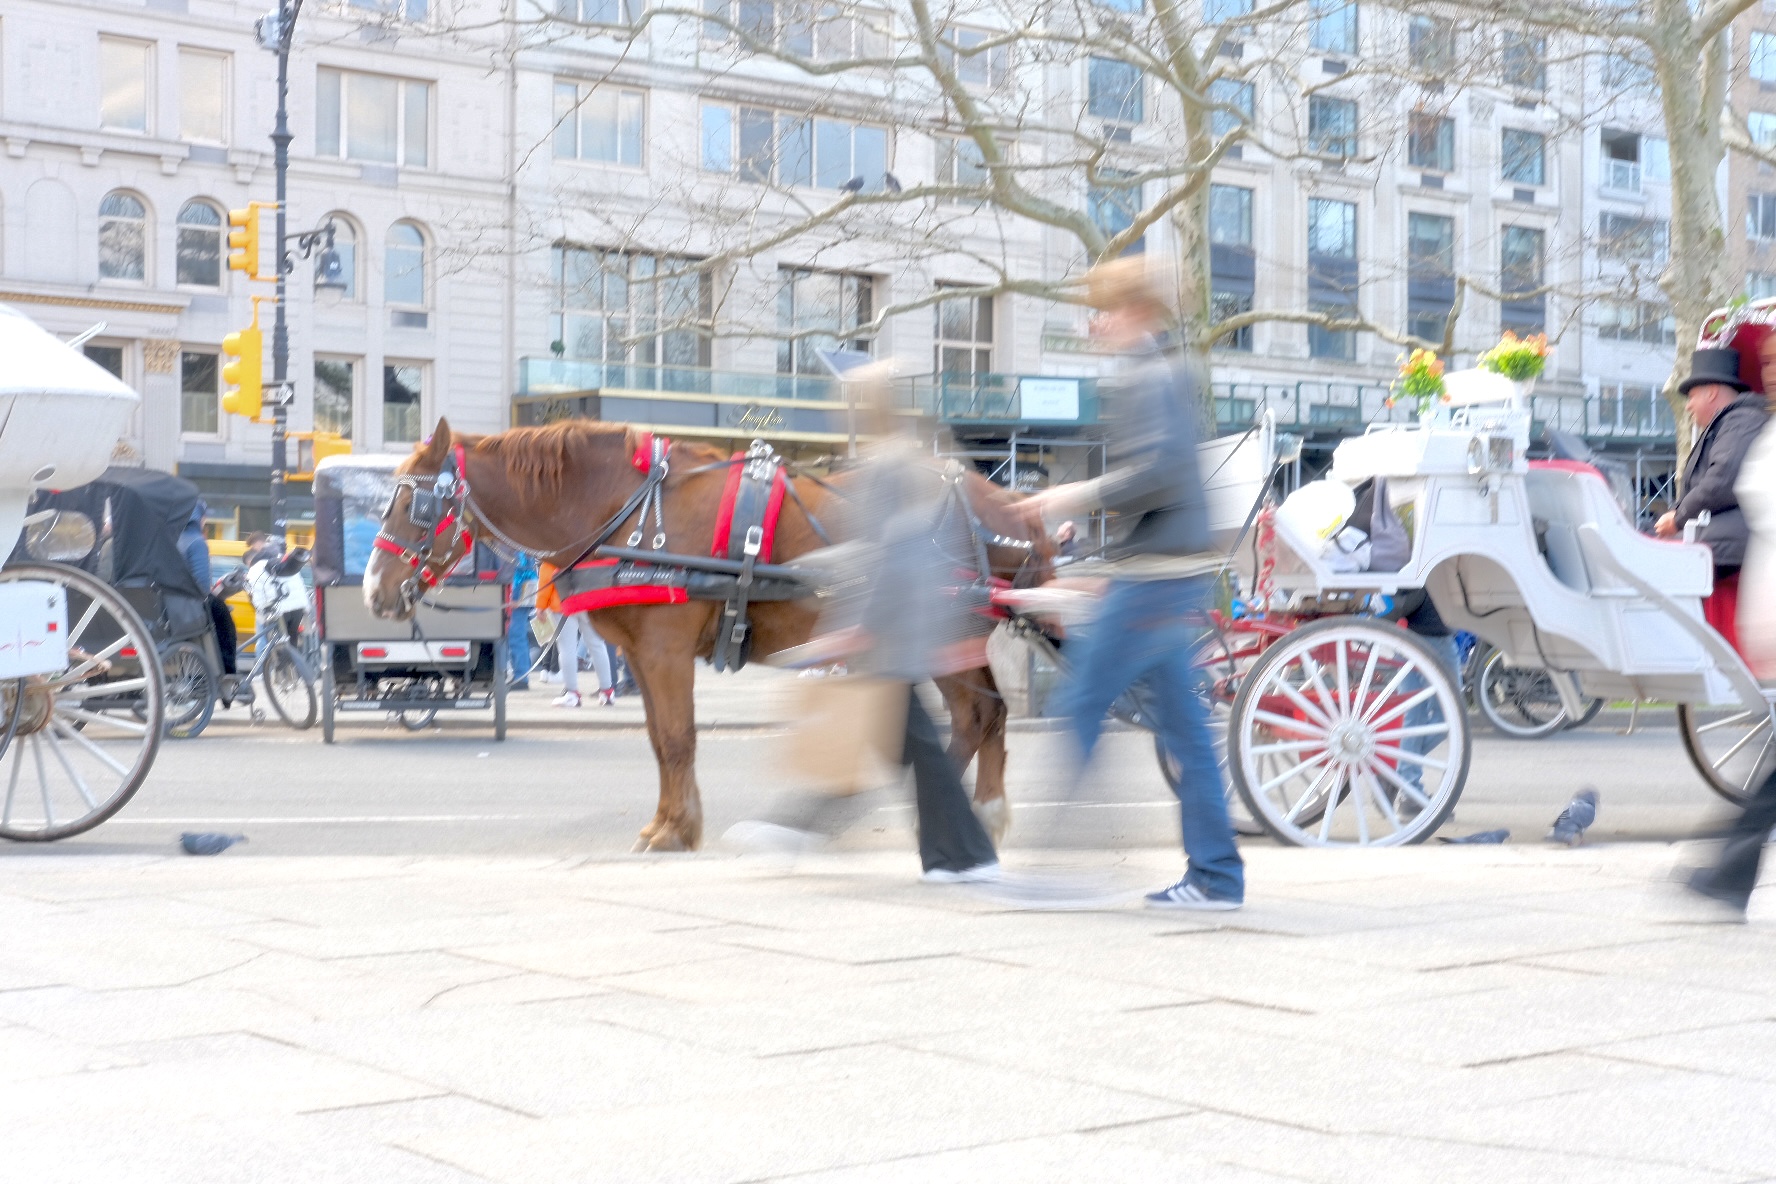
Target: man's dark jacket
point(1714, 467)
point(1151, 473)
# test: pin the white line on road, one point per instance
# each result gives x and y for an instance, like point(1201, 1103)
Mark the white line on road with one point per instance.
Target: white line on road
point(272, 820)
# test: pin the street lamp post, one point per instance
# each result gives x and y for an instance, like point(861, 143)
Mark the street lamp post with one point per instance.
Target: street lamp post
point(275, 33)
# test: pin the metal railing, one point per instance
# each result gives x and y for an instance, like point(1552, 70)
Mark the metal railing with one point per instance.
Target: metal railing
point(1623, 175)
point(565, 376)
point(1347, 408)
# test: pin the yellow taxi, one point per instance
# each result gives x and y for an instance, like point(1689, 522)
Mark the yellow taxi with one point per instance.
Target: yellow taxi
point(225, 556)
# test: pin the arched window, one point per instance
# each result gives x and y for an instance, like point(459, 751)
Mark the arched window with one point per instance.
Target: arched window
point(200, 245)
point(345, 242)
point(123, 237)
point(404, 267)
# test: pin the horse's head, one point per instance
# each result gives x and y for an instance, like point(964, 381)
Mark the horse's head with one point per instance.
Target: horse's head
point(422, 535)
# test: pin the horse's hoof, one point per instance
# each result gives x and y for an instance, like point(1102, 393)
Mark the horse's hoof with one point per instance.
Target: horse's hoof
point(995, 815)
point(665, 840)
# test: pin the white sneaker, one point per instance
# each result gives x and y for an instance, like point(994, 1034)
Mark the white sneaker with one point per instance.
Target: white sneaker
point(549, 676)
point(1185, 895)
point(567, 699)
point(980, 873)
point(770, 838)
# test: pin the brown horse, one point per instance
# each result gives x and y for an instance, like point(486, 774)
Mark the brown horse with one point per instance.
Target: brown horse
point(549, 488)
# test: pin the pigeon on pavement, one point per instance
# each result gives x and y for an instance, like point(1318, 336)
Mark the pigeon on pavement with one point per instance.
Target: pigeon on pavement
point(208, 842)
point(1579, 814)
point(1485, 836)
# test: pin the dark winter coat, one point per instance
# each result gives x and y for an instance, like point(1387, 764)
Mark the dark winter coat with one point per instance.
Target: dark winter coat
point(1712, 470)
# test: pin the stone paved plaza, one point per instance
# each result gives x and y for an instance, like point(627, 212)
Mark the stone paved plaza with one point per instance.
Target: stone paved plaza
point(1434, 1014)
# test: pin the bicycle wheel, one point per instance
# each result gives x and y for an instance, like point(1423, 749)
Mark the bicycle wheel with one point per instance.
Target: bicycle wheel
point(290, 685)
point(1518, 701)
point(75, 754)
point(191, 689)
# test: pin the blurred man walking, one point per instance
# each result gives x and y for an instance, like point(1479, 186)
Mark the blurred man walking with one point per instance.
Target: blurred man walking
point(1159, 578)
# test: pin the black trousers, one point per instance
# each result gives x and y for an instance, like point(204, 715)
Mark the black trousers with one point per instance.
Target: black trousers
point(1737, 872)
point(950, 836)
point(226, 640)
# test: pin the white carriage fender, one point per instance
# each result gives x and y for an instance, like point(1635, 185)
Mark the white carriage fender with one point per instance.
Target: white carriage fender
point(1726, 659)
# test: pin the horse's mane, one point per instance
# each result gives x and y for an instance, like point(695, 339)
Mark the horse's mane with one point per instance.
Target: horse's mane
point(538, 460)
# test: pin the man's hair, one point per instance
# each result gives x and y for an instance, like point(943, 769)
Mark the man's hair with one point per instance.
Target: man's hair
point(1118, 284)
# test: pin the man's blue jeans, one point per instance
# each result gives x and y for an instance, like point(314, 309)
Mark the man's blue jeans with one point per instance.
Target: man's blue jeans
point(518, 644)
point(1143, 635)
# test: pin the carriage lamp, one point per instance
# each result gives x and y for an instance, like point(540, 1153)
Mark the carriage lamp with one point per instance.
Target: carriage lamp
point(330, 279)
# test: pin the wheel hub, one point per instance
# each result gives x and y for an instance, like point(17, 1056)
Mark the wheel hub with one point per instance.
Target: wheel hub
point(1350, 743)
point(38, 706)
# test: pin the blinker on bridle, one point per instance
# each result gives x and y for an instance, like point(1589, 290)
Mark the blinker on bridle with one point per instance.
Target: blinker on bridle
point(437, 512)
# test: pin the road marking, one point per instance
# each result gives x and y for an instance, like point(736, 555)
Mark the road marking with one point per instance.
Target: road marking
point(273, 820)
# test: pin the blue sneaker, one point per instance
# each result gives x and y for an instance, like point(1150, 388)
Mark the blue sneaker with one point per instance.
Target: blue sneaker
point(1185, 895)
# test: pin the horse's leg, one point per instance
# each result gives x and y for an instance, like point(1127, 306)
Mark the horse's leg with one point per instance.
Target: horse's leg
point(977, 730)
point(664, 664)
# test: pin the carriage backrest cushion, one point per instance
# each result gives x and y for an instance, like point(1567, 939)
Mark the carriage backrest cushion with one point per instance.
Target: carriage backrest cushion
point(138, 515)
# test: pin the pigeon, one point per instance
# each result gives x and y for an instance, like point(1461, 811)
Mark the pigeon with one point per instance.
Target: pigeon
point(891, 183)
point(854, 185)
point(208, 842)
point(1485, 836)
point(1579, 814)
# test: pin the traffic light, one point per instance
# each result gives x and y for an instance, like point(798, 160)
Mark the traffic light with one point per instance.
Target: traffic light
point(243, 371)
point(243, 240)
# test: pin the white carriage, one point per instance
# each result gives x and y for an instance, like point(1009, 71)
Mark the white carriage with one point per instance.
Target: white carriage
point(1348, 729)
point(81, 700)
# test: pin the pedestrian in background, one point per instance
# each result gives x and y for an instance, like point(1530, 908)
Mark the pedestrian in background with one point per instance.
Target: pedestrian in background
point(1733, 877)
point(1160, 575)
point(524, 590)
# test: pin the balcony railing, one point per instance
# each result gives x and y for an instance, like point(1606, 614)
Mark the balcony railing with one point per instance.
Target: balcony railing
point(1346, 408)
point(1002, 398)
point(1623, 175)
point(562, 376)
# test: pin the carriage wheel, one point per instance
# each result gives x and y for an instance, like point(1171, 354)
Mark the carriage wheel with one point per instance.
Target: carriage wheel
point(191, 689)
point(1349, 732)
point(1728, 746)
point(416, 719)
point(1519, 701)
point(1217, 669)
point(76, 751)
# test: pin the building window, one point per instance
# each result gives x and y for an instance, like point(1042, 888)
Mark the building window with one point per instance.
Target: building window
point(1113, 205)
point(1636, 320)
point(1430, 142)
point(404, 275)
point(334, 387)
point(108, 358)
point(125, 70)
point(1235, 106)
point(1113, 91)
point(1636, 410)
point(959, 50)
point(1432, 45)
point(616, 14)
point(820, 310)
point(1216, 11)
point(1332, 274)
point(123, 237)
point(1523, 61)
point(1523, 156)
point(1332, 126)
point(1763, 57)
point(1430, 274)
point(203, 96)
point(1759, 285)
point(372, 117)
point(964, 337)
point(345, 243)
point(200, 245)
point(768, 147)
point(1521, 255)
point(618, 307)
point(1621, 160)
point(1631, 71)
point(829, 32)
point(1334, 27)
point(403, 385)
point(412, 10)
point(598, 123)
point(1628, 239)
point(1232, 269)
point(1760, 217)
point(959, 162)
point(200, 394)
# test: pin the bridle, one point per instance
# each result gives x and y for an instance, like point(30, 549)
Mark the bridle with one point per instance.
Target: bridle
point(436, 505)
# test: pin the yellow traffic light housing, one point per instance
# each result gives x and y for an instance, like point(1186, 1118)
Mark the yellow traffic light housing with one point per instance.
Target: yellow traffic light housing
point(245, 369)
point(243, 240)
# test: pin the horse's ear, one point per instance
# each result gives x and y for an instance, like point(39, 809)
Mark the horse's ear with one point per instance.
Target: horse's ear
point(435, 449)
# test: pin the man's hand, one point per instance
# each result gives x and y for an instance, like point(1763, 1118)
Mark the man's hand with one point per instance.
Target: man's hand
point(1666, 526)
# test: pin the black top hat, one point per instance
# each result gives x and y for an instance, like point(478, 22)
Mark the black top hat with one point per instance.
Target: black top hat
point(1714, 366)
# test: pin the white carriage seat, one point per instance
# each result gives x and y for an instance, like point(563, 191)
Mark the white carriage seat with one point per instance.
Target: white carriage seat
point(1565, 496)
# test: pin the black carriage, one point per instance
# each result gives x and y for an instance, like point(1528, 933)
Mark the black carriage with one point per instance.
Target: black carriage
point(450, 657)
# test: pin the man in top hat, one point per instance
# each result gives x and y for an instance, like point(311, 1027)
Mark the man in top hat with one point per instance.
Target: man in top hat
point(1728, 417)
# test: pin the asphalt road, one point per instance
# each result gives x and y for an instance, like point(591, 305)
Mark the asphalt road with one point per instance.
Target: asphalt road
point(560, 793)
